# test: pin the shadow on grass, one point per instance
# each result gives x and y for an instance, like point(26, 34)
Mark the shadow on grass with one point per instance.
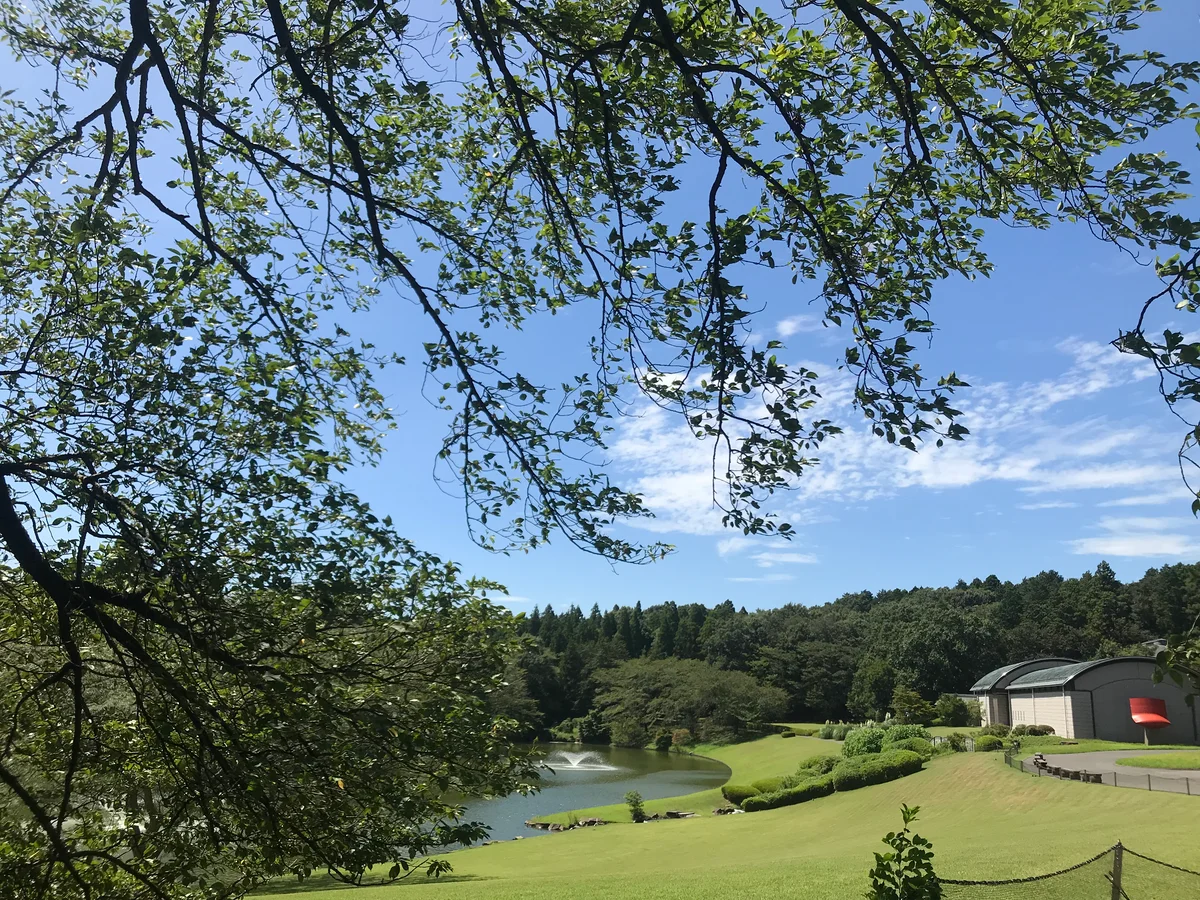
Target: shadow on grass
point(317, 883)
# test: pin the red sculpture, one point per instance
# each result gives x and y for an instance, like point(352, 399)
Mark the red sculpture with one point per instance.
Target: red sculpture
point(1149, 712)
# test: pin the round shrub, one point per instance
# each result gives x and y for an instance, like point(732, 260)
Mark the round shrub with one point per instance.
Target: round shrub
point(662, 741)
point(738, 793)
point(817, 765)
point(904, 732)
point(860, 771)
point(682, 737)
point(862, 741)
point(917, 745)
point(988, 742)
point(787, 734)
point(996, 730)
point(1039, 730)
point(840, 731)
point(1019, 731)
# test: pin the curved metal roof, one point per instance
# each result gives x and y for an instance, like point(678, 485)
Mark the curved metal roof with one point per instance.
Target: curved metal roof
point(992, 678)
point(1062, 676)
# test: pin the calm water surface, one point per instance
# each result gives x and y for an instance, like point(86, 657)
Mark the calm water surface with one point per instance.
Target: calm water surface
point(587, 775)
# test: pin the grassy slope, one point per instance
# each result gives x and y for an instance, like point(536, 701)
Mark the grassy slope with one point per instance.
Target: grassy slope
point(1163, 761)
point(985, 820)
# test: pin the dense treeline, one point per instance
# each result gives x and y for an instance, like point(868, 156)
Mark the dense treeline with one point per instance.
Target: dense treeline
point(844, 659)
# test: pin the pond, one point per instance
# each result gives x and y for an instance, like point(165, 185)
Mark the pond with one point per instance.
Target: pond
point(586, 775)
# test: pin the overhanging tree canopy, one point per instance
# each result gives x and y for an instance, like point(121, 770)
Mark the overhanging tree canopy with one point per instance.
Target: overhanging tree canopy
point(189, 194)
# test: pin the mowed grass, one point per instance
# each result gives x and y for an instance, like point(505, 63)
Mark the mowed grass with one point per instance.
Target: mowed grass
point(1163, 761)
point(985, 820)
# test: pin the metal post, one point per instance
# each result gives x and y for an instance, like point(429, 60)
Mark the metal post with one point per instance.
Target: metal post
point(1116, 871)
point(1189, 785)
point(1149, 786)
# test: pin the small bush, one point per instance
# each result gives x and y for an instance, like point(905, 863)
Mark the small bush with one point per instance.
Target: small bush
point(826, 731)
point(862, 741)
point(817, 765)
point(917, 745)
point(1019, 731)
point(662, 741)
point(957, 741)
point(861, 771)
point(996, 730)
point(787, 734)
point(840, 731)
point(987, 742)
point(682, 737)
point(900, 732)
point(801, 793)
point(637, 812)
point(1039, 730)
point(737, 793)
point(805, 732)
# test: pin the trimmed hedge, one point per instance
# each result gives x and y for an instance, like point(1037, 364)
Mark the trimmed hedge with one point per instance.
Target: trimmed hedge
point(896, 733)
point(801, 793)
point(787, 734)
point(997, 730)
point(915, 744)
point(862, 741)
point(860, 771)
point(805, 732)
point(771, 785)
point(1039, 730)
point(988, 742)
point(817, 765)
point(738, 793)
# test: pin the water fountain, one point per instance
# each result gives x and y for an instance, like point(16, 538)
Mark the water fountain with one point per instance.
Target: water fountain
point(586, 761)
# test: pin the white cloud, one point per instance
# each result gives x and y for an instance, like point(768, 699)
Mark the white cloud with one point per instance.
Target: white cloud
point(796, 324)
point(767, 559)
point(771, 576)
point(1140, 536)
point(1180, 496)
point(512, 600)
point(1022, 434)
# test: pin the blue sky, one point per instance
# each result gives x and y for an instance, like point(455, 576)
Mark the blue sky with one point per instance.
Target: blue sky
point(1072, 456)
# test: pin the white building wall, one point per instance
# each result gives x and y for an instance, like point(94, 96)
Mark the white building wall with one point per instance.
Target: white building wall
point(1069, 713)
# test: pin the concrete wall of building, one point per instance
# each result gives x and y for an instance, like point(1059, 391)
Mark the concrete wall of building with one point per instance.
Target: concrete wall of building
point(993, 708)
point(1069, 713)
point(1112, 685)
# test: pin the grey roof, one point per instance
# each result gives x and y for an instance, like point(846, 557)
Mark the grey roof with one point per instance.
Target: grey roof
point(991, 679)
point(1062, 676)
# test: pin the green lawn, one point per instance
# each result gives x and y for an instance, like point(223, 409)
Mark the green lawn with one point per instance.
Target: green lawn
point(1164, 761)
point(985, 820)
point(1052, 744)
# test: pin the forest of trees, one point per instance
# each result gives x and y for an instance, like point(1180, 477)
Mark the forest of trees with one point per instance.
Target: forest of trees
point(843, 660)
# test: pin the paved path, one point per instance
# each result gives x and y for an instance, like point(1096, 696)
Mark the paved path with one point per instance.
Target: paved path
point(1181, 781)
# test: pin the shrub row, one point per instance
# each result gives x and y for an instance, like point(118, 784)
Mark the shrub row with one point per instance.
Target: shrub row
point(738, 793)
point(809, 790)
point(860, 771)
point(995, 730)
point(805, 732)
point(778, 783)
point(1031, 730)
point(988, 742)
point(817, 765)
point(787, 734)
point(917, 745)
